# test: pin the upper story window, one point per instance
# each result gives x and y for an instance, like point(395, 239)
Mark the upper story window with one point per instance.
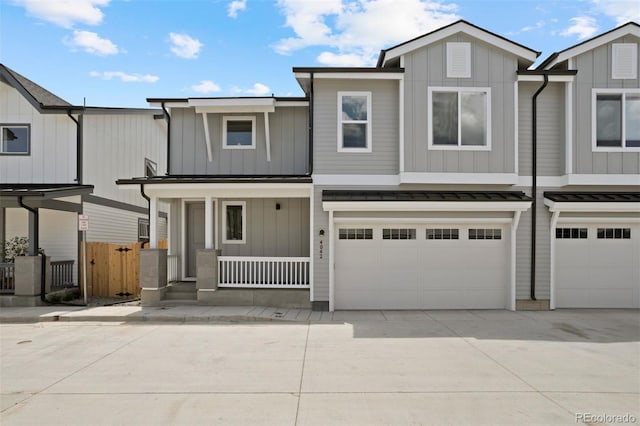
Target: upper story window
point(354, 121)
point(616, 119)
point(239, 132)
point(15, 139)
point(460, 118)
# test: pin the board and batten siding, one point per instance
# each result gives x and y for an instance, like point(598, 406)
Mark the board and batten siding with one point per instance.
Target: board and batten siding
point(594, 72)
point(383, 159)
point(551, 129)
point(490, 67)
point(115, 147)
point(271, 232)
point(52, 143)
point(289, 139)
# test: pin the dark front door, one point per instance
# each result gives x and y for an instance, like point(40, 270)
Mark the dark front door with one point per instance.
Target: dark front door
point(195, 234)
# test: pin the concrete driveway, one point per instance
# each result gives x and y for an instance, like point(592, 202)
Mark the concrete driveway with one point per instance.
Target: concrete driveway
point(351, 368)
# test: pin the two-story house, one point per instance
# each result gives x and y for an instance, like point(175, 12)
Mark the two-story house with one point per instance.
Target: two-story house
point(450, 175)
point(59, 160)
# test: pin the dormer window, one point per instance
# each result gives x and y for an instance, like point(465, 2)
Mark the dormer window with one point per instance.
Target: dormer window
point(239, 132)
point(15, 139)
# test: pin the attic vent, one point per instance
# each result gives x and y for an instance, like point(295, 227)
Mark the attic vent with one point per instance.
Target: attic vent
point(458, 60)
point(624, 61)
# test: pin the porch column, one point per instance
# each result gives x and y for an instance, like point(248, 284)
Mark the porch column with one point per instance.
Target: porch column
point(208, 223)
point(153, 223)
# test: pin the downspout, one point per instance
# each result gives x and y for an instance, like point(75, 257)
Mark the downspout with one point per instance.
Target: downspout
point(311, 125)
point(167, 118)
point(534, 182)
point(34, 247)
point(78, 145)
point(146, 197)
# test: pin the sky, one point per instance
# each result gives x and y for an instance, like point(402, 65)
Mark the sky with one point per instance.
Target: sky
point(118, 53)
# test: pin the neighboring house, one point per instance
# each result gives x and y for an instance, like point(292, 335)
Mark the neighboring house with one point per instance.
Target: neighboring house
point(417, 185)
point(59, 160)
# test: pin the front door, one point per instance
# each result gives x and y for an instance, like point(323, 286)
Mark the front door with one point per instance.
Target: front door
point(195, 234)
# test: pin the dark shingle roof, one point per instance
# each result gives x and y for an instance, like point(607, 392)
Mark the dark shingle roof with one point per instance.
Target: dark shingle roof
point(38, 93)
point(371, 195)
point(593, 197)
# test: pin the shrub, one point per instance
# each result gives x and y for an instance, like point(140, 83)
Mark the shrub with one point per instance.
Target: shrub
point(16, 246)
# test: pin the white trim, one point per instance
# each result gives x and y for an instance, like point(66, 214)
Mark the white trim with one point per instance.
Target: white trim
point(351, 75)
point(421, 220)
point(153, 222)
point(599, 219)
point(208, 222)
point(594, 139)
point(229, 190)
point(516, 129)
point(267, 136)
point(552, 260)
point(227, 105)
point(228, 118)
point(207, 137)
point(349, 180)
point(460, 178)
point(427, 206)
point(551, 78)
point(292, 103)
point(543, 181)
point(401, 118)
point(451, 30)
point(226, 204)
point(312, 242)
point(459, 146)
point(454, 48)
point(332, 266)
point(512, 267)
point(603, 179)
point(568, 90)
point(341, 121)
point(594, 42)
point(620, 207)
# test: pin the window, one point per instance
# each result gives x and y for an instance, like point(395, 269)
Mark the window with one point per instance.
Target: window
point(234, 222)
point(460, 118)
point(15, 139)
point(238, 132)
point(442, 234)
point(143, 229)
point(355, 234)
point(616, 119)
point(399, 234)
point(485, 234)
point(150, 168)
point(354, 122)
point(614, 233)
point(571, 233)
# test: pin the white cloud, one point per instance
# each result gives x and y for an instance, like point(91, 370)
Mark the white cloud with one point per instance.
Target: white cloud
point(236, 6)
point(127, 78)
point(259, 89)
point(65, 13)
point(583, 27)
point(537, 26)
point(92, 43)
point(359, 29)
point(622, 11)
point(345, 60)
point(184, 46)
point(206, 86)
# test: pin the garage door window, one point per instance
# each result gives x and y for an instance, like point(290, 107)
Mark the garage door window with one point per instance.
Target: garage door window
point(485, 234)
point(355, 234)
point(614, 233)
point(443, 234)
point(399, 234)
point(571, 233)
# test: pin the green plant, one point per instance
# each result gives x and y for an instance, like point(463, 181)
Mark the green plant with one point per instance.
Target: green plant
point(16, 246)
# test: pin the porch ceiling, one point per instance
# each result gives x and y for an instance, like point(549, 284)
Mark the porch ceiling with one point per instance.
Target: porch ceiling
point(11, 193)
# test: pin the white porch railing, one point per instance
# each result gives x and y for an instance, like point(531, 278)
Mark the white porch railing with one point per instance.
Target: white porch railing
point(172, 268)
point(263, 272)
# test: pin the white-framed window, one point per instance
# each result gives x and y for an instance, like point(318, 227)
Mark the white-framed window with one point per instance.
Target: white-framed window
point(16, 139)
point(443, 234)
point(615, 119)
point(238, 132)
point(234, 222)
point(485, 234)
point(572, 233)
point(458, 60)
point(459, 118)
point(614, 233)
point(143, 229)
point(355, 234)
point(399, 234)
point(150, 168)
point(354, 122)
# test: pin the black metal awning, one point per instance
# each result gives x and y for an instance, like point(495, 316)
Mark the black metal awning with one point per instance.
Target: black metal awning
point(593, 197)
point(181, 179)
point(436, 196)
point(39, 195)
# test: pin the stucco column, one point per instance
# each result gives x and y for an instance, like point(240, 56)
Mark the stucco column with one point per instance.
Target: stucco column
point(207, 273)
point(153, 275)
point(208, 223)
point(153, 222)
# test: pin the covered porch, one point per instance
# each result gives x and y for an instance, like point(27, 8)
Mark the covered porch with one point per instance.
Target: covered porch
point(241, 233)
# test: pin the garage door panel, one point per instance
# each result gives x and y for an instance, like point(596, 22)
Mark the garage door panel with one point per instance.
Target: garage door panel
point(379, 299)
point(456, 299)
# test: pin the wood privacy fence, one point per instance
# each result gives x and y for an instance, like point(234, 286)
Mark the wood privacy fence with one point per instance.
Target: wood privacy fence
point(113, 269)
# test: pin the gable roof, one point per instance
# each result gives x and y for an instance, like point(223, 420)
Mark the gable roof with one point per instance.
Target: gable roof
point(571, 52)
point(451, 29)
point(41, 99)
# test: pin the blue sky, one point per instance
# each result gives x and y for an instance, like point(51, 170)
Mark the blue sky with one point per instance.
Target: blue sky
point(120, 52)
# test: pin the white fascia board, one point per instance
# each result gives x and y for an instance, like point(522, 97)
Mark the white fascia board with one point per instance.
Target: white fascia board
point(426, 206)
point(552, 78)
point(169, 104)
point(292, 103)
point(223, 102)
point(594, 43)
point(460, 178)
point(565, 207)
point(599, 219)
point(351, 180)
point(235, 109)
point(229, 190)
point(602, 179)
point(421, 220)
point(464, 28)
point(360, 75)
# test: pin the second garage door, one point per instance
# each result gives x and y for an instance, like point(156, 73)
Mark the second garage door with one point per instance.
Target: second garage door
point(400, 266)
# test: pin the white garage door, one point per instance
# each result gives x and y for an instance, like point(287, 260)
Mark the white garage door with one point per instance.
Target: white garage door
point(421, 267)
point(597, 266)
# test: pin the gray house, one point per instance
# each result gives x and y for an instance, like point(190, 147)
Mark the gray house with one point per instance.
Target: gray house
point(450, 175)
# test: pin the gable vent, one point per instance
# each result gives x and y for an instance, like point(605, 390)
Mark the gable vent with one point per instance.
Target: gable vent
point(458, 60)
point(624, 61)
